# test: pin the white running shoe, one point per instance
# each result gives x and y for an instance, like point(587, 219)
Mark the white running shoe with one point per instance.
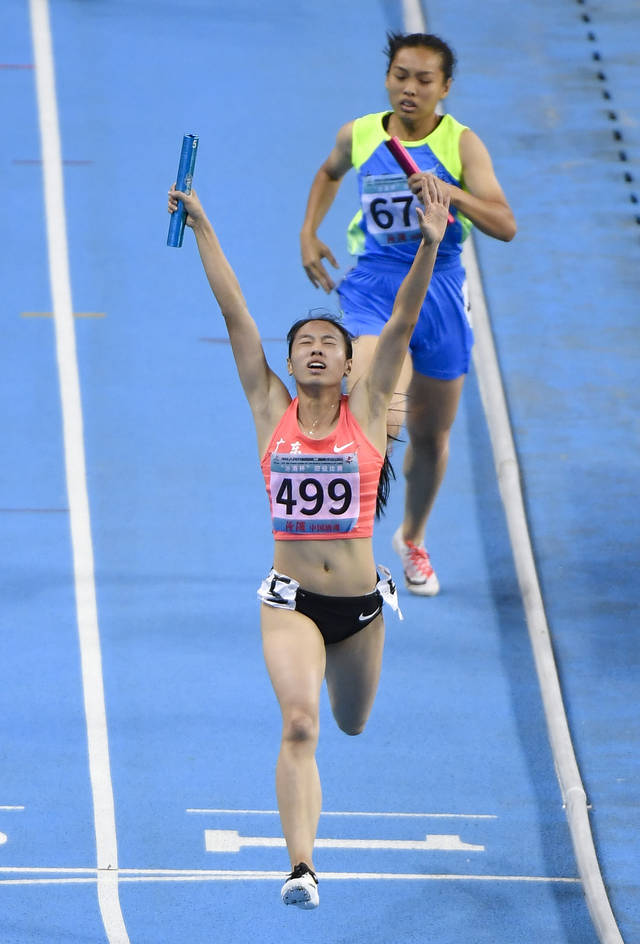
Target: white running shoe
point(419, 575)
point(301, 888)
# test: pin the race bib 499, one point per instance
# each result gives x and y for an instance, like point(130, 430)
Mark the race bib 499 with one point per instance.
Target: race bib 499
point(314, 494)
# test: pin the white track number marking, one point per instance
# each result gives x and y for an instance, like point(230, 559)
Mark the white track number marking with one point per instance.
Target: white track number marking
point(230, 840)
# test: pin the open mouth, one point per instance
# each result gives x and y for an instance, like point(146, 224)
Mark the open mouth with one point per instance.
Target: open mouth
point(316, 365)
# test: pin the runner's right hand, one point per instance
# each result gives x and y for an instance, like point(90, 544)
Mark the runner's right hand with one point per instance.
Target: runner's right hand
point(313, 252)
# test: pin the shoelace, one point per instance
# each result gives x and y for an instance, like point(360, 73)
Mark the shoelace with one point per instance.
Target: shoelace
point(419, 558)
point(303, 869)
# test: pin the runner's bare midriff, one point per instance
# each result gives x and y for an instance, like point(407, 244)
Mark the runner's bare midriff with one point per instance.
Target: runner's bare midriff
point(340, 567)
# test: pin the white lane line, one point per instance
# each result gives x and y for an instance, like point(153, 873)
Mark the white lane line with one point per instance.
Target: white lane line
point(508, 473)
point(11, 809)
point(230, 840)
point(412, 16)
point(46, 870)
point(229, 875)
point(47, 881)
point(337, 813)
point(86, 608)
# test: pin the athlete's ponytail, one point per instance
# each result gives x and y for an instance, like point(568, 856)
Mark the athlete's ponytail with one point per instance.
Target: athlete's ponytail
point(387, 473)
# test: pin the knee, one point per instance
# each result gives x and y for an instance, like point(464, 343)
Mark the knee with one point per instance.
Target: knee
point(300, 727)
point(352, 727)
point(429, 442)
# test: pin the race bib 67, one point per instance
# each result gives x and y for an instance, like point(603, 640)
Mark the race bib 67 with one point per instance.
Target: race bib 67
point(388, 207)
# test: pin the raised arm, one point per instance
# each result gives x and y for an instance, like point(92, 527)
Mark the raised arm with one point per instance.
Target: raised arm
point(264, 390)
point(322, 194)
point(371, 396)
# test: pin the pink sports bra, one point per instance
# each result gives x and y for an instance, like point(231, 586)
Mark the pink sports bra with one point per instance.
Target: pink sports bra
point(321, 488)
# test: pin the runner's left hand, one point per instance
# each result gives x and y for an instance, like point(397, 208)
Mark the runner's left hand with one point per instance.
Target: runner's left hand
point(191, 203)
point(433, 219)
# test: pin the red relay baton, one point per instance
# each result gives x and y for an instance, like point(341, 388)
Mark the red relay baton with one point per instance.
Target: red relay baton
point(405, 161)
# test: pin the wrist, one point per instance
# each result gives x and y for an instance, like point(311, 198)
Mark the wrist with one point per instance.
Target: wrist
point(201, 225)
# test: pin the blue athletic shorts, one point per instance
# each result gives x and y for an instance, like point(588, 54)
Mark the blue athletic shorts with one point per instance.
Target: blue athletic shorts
point(442, 340)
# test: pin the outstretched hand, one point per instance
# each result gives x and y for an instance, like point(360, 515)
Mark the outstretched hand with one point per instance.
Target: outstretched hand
point(313, 252)
point(433, 219)
point(195, 211)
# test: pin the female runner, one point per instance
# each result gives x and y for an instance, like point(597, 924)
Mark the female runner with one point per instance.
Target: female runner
point(321, 455)
point(383, 236)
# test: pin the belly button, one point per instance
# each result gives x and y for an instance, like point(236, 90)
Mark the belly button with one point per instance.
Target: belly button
point(327, 568)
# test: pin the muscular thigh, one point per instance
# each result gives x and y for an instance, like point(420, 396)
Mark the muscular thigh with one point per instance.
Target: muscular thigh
point(432, 405)
point(294, 654)
point(353, 673)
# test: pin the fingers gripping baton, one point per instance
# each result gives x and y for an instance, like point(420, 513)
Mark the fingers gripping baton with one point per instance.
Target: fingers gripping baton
point(183, 182)
point(405, 160)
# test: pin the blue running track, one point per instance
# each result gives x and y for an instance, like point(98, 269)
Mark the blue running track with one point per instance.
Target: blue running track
point(443, 822)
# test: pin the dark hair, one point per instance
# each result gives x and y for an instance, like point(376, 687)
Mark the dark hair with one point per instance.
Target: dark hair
point(397, 41)
point(387, 472)
point(322, 315)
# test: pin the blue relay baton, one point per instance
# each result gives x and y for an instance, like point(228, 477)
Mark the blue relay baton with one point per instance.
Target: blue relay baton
point(183, 182)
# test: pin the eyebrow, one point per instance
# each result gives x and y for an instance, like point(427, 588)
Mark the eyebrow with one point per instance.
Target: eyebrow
point(323, 337)
point(422, 72)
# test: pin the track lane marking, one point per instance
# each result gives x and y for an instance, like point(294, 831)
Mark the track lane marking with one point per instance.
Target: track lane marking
point(75, 467)
point(86, 876)
point(338, 813)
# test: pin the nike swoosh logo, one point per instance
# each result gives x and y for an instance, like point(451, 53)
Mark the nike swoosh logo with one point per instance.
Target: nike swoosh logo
point(369, 616)
point(342, 448)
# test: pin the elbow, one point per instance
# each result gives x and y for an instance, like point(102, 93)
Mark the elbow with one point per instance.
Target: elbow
point(509, 230)
point(330, 176)
point(502, 228)
point(510, 233)
point(505, 234)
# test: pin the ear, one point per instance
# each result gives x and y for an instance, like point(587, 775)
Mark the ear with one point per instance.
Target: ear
point(289, 367)
point(447, 88)
point(347, 369)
